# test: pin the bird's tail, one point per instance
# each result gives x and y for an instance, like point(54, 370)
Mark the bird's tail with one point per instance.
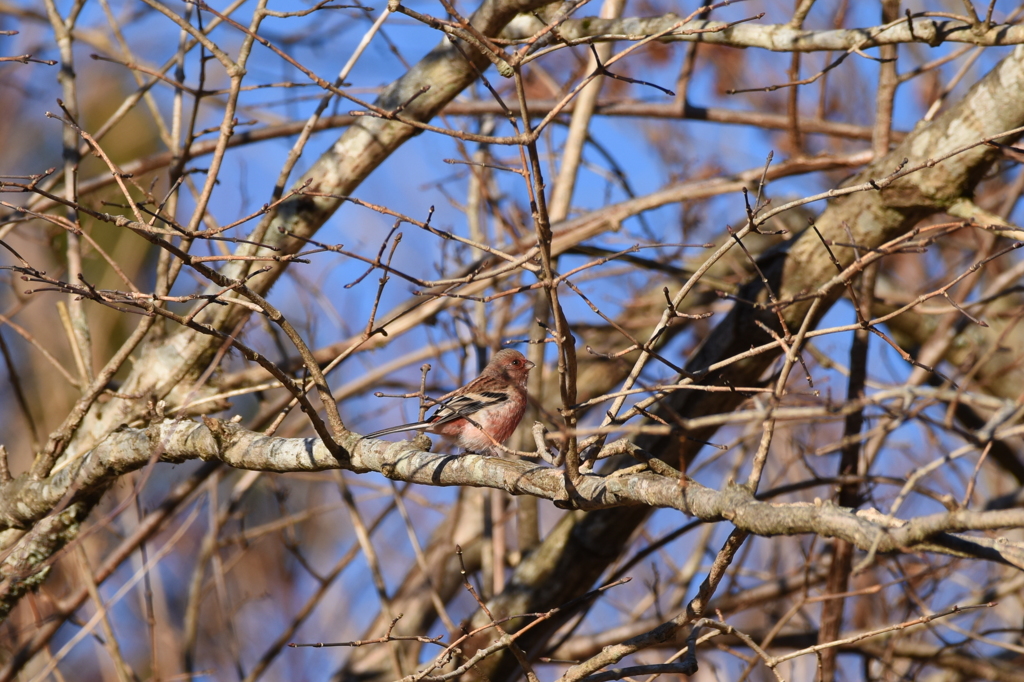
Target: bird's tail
point(416, 426)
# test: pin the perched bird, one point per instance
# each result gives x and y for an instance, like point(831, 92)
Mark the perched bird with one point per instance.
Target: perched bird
point(485, 411)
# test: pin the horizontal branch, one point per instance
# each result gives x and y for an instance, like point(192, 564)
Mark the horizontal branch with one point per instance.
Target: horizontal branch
point(783, 37)
point(24, 501)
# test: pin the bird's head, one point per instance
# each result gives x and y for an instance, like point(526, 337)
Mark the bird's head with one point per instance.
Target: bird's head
point(512, 364)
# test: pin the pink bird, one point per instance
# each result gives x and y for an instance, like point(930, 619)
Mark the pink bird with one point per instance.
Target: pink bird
point(483, 413)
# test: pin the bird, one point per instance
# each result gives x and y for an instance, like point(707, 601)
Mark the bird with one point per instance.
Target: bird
point(483, 413)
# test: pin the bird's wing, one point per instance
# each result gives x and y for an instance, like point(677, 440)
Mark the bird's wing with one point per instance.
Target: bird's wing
point(456, 407)
point(465, 405)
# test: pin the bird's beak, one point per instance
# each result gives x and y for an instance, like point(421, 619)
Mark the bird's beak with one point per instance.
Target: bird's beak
point(529, 365)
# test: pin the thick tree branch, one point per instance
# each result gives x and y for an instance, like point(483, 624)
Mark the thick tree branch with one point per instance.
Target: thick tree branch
point(25, 501)
point(783, 37)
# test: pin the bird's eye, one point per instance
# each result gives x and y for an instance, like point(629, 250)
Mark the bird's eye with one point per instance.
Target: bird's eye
point(515, 362)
